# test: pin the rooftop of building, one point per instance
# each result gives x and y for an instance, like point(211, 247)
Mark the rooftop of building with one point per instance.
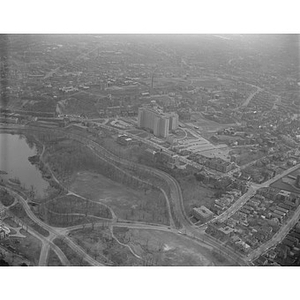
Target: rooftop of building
point(203, 211)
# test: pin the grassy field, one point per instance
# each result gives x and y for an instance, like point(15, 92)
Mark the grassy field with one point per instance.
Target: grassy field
point(207, 125)
point(167, 249)
point(100, 245)
point(127, 203)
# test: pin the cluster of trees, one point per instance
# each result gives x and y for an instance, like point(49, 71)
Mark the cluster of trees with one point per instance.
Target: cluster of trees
point(72, 204)
point(18, 211)
point(5, 198)
point(72, 256)
point(151, 208)
point(63, 220)
point(158, 183)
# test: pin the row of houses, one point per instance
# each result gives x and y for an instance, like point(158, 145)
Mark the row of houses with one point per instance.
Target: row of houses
point(286, 253)
point(219, 165)
point(226, 201)
point(256, 221)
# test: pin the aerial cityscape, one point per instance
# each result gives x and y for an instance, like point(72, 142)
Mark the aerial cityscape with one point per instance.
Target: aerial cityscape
point(149, 150)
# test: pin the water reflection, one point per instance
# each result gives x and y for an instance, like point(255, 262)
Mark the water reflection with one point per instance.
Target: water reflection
point(14, 152)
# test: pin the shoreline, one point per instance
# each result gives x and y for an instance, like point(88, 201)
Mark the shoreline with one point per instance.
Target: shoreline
point(35, 160)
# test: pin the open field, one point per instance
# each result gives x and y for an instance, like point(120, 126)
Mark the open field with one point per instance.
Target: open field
point(127, 203)
point(28, 247)
point(167, 249)
point(53, 259)
point(205, 124)
point(100, 244)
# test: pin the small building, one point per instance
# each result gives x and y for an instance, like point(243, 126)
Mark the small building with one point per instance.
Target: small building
point(202, 213)
point(283, 195)
point(124, 140)
point(226, 230)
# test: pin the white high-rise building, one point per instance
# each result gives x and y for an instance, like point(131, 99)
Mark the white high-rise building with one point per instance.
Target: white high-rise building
point(156, 121)
point(173, 124)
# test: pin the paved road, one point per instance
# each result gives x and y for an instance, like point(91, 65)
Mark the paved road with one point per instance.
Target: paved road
point(278, 237)
point(46, 243)
point(55, 232)
point(284, 173)
point(252, 190)
point(235, 206)
point(251, 96)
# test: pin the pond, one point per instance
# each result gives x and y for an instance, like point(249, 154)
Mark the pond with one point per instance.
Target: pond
point(14, 153)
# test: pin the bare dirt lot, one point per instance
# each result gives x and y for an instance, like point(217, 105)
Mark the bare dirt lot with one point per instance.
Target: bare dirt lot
point(127, 203)
point(164, 248)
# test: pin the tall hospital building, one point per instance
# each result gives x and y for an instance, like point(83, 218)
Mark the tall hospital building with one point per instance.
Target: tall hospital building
point(157, 122)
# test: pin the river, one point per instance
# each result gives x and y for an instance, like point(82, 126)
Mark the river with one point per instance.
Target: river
point(14, 153)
